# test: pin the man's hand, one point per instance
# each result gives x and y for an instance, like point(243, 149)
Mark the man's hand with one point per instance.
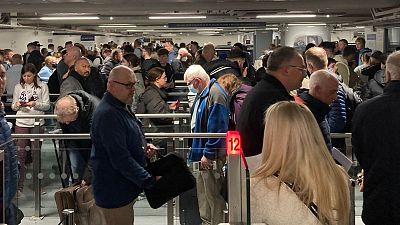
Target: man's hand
point(205, 164)
point(150, 151)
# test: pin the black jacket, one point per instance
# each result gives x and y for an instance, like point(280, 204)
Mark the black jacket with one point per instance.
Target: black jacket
point(251, 121)
point(36, 58)
point(219, 67)
point(87, 105)
point(377, 146)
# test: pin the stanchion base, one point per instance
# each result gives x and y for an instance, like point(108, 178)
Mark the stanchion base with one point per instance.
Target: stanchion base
point(36, 218)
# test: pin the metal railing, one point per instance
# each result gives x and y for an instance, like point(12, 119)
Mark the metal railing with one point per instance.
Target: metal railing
point(176, 136)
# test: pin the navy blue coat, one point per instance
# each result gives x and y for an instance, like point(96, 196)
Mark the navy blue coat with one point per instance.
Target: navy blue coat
point(118, 156)
point(319, 110)
point(337, 115)
point(10, 163)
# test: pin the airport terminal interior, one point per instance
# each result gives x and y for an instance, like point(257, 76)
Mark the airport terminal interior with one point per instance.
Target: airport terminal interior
point(101, 28)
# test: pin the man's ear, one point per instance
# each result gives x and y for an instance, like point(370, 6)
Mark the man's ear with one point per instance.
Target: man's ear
point(388, 76)
point(310, 67)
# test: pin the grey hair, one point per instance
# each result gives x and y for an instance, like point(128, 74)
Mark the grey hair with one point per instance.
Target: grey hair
point(393, 65)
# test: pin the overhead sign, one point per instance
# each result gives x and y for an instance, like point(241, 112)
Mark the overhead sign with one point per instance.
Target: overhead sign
point(233, 143)
point(371, 37)
point(87, 37)
point(218, 24)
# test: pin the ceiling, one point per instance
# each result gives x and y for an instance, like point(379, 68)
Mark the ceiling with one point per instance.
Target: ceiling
point(232, 15)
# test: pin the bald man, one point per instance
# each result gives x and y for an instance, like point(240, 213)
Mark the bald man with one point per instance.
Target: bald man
point(323, 91)
point(376, 144)
point(74, 113)
point(118, 152)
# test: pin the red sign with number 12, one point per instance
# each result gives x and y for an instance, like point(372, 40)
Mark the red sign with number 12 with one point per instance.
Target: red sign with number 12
point(233, 143)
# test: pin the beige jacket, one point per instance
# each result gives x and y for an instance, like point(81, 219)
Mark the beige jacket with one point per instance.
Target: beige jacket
point(271, 208)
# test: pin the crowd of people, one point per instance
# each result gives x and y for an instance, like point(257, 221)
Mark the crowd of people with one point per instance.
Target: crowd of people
point(284, 112)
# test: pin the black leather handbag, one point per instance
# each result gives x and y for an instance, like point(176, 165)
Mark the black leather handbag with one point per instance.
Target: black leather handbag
point(176, 178)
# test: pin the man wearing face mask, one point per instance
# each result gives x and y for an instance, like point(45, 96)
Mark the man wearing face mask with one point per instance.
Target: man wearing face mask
point(210, 113)
point(179, 64)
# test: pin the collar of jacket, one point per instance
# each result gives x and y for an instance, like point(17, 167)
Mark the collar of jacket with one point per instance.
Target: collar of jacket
point(2, 112)
point(392, 87)
point(318, 108)
point(271, 79)
point(159, 90)
point(207, 89)
point(114, 101)
point(77, 76)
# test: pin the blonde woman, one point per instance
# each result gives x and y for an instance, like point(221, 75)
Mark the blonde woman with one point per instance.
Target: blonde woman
point(237, 91)
point(297, 173)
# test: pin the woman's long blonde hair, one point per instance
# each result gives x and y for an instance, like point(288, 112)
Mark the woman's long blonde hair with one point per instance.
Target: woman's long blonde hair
point(294, 148)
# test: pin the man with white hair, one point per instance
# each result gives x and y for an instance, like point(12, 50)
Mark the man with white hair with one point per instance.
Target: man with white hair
point(323, 91)
point(376, 144)
point(210, 113)
point(179, 64)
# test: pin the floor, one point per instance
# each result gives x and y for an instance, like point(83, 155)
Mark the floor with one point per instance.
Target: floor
point(144, 215)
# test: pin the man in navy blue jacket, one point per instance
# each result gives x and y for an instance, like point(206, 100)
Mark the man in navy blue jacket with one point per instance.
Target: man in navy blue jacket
point(119, 150)
point(10, 174)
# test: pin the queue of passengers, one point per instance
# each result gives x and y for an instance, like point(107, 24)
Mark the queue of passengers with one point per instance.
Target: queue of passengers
point(284, 111)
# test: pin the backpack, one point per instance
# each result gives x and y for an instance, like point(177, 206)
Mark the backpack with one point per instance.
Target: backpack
point(353, 99)
point(236, 103)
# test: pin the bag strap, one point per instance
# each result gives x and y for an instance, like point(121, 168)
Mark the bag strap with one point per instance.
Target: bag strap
point(312, 206)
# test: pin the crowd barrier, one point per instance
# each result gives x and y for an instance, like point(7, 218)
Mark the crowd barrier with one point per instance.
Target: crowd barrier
point(237, 206)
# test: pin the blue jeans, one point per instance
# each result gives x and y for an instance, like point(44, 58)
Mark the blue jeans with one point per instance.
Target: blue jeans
point(79, 159)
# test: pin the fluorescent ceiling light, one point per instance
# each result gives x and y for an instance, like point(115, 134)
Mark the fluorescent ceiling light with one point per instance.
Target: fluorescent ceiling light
point(209, 29)
point(70, 18)
point(176, 17)
point(117, 26)
point(139, 30)
point(307, 24)
point(288, 16)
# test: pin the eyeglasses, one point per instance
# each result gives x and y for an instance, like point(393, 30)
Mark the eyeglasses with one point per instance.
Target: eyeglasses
point(129, 85)
point(191, 82)
point(303, 70)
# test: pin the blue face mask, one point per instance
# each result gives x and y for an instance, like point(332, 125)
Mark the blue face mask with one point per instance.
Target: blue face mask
point(192, 89)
